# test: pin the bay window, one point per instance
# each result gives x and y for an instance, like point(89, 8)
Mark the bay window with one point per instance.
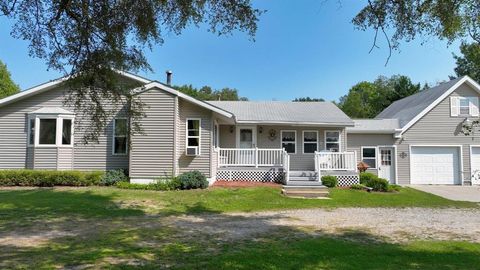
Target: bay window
point(50, 127)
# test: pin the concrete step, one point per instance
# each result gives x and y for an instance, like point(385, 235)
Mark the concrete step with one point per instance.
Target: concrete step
point(302, 193)
point(303, 173)
point(318, 188)
point(302, 178)
point(304, 183)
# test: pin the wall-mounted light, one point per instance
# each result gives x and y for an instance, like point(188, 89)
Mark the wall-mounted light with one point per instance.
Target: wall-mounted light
point(260, 130)
point(231, 129)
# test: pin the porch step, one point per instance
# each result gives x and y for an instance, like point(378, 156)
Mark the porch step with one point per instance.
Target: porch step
point(306, 191)
point(299, 183)
point(303, 174)
point(302, 178)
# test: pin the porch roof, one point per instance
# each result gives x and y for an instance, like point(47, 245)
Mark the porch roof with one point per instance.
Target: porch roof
point(288, 113)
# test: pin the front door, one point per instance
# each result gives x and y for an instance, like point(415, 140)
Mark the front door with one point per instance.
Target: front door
point(386, 168)
point(246, 137)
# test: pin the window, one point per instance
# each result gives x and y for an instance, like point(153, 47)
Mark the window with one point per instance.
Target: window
point(332, 141)
point(369, 156)
point(289, 138)
point(120, 132)
point(31, 131)
point(215, 136)
point(47, 131)
point(310, 141)
point(193, 132)
point(67, 132)
point(464, 106)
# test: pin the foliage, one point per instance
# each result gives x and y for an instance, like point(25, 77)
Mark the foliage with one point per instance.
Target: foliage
point(394, 188)
point(329, 181)
point(373, 181)
point(469, 62)
point(358, 186)
point(408, 19)
point(7, 86)
point(89, 39)
point(207, 93)
point(368, 99)
point(45, 178)
point(161, 185)
point(113, 176)
point(308, 99)
point(192, 180)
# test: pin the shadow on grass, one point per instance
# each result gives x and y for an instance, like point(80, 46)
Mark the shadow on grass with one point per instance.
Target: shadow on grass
point(220, 241)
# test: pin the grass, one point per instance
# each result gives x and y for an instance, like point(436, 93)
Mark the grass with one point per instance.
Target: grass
point(110, 229)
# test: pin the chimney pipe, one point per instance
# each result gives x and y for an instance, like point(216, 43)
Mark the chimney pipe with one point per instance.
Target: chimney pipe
point(169, 77)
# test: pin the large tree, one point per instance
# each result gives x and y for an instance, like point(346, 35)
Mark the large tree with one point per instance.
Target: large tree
point(207, 93)
point(7, 86)
point(367, 99)
point(469, 62)
point(405, 20)
point(88, 39)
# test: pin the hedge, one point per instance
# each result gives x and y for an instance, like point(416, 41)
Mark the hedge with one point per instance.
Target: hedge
point(47, 178)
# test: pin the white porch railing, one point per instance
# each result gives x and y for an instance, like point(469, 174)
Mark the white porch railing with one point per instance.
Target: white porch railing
point(335, 161)
point(251, 157)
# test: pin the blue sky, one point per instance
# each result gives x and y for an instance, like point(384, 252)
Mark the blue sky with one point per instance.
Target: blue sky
point(302, 48)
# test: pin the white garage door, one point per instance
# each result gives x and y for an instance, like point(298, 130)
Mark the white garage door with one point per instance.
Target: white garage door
point(435, 165)
point(475, 165)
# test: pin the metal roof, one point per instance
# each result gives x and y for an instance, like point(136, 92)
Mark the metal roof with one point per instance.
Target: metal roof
point(408, 108)
point(281, 112)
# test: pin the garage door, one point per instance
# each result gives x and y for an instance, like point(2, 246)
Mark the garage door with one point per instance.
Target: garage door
point(435, 165)
point(475, 165)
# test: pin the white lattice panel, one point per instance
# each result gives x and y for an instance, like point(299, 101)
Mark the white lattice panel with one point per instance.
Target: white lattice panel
point(347, 180)
point(252, 176)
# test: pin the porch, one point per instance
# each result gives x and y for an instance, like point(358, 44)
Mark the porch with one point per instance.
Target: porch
point(274, 165)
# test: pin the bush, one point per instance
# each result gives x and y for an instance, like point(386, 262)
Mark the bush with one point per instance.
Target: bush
point(373, 181)
point(366, 177)
point(329, 181)
point(191, 180)
point(358, 186)
point(113, 176)
point(393, 188)
point(45, 178)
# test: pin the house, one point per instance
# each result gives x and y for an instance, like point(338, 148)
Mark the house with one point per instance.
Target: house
point(416, 140)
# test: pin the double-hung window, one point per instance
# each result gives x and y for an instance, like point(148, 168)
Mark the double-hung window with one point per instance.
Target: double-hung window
point(332, 141)
point(310, 142)
point(120, 134)
point(289, 141)
point(193, 133)
point(369, 156)
point(464, 106)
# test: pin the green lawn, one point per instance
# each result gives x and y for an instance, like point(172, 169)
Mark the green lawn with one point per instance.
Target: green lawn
point(127, 229)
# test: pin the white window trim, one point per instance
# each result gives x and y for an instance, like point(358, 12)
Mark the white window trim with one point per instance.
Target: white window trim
point(376, 155)
point(29, 130)
point(199, 134)
point(114, 135)
point(294, 142)
point(303, 140)
point(455, 108)
point(216, 137)
point(339, 139)
point(59, 129)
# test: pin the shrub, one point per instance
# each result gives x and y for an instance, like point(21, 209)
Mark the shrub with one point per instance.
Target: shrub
point(358, 186)
point(45, 178)
point(329, 181)
point(191, 180)
point(393, 188)
point(365, 177)
point(113, 176)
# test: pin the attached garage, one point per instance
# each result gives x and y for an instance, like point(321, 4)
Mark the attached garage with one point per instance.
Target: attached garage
point(435, 165)
point(475, 164)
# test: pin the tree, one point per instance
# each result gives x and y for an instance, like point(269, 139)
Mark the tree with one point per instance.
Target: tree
point(469, 62)
point(207, 93)
point(7, 86)
point(367, 99)
point(89, 39)
point(308, 99)
point(444, 19)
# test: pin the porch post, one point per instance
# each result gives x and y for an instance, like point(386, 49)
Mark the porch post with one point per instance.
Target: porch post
point(256, 157)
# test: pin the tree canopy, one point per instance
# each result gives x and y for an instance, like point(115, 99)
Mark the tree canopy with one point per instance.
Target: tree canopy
point(89, 39)
point(7, 86)
point(367, 99)
point(207, 93)
point(408, 19)
point(308, 99)
point(469, 62)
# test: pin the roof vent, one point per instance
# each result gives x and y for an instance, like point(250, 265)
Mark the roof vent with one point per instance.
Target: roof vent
point(169, 77)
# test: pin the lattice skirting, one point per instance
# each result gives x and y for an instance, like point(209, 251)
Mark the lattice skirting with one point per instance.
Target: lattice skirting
point(347, 180)
point(253, 176)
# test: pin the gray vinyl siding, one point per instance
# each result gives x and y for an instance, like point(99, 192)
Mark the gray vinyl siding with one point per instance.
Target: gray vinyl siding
point(298, 161)
point(45, 158)
point(15, 154)
point(65, 158)
point(437, 127)
point(356, 141)
point(151, 153)
point(202, 162)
